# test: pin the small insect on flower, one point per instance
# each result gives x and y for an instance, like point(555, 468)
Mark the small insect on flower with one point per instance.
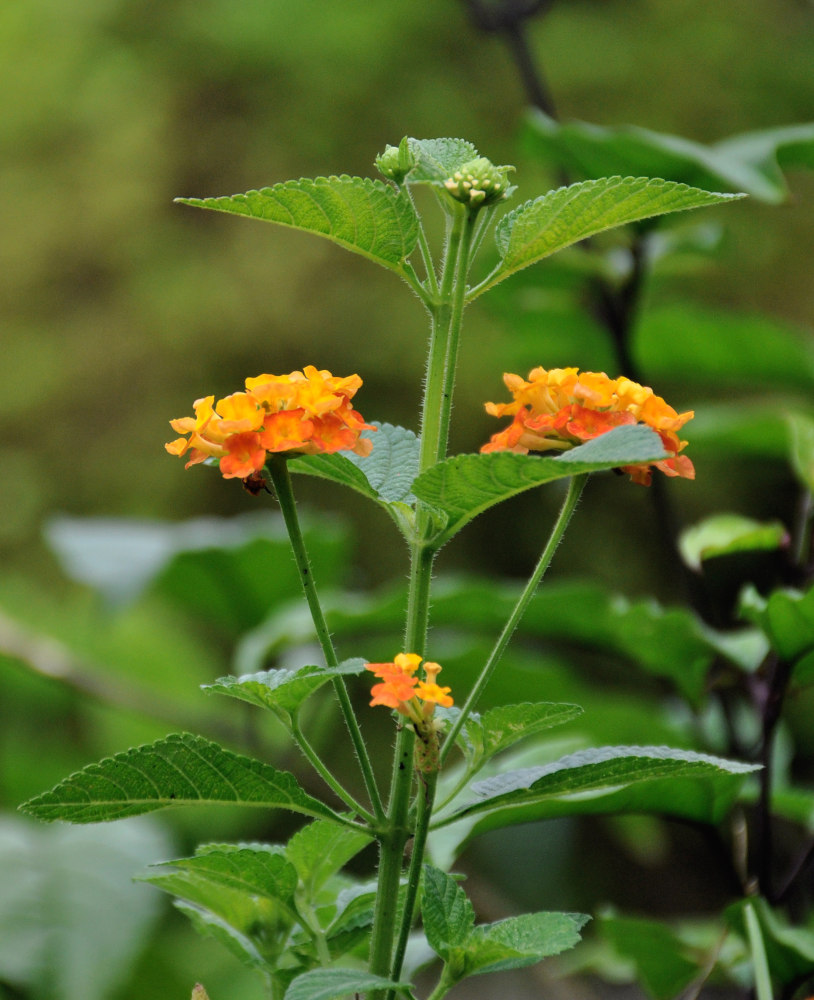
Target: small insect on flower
point(306, 412)
point(560, 408)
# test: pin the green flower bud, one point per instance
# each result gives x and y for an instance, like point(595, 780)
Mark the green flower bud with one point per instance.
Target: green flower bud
point(396, 161)
point(478, 182)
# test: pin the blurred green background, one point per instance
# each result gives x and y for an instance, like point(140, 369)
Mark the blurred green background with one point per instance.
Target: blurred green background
point(119, 309)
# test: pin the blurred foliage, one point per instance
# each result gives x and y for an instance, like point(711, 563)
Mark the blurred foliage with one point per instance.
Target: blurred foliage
point(118, 308)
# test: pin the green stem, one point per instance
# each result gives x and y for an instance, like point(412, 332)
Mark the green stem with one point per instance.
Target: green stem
point(281, 479)
point(422, 827)
point(575, 487)
point(315, 760)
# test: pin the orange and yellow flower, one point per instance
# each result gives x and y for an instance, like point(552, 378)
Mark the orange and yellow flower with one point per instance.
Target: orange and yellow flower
point(308, 412)
point(403, 690)
point(557, 409)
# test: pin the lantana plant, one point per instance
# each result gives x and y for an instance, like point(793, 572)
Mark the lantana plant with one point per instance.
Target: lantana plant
point(312, 931)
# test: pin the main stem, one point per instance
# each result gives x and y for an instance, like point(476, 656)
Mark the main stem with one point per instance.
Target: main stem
point(281, 480)
point(575, 487)
point(447, 315)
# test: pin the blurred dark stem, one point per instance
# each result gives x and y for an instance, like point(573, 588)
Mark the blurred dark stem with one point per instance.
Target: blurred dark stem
point(509, 19)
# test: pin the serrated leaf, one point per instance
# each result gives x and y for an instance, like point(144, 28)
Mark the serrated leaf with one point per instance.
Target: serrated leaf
point(254, 871)
point(386, 474)
point(363, 215)
point(725, 534)
point(438, 159)
point(180, 770)
point(337, 984)
point(567, 215)
point(281, 689)
point(320, 849)
point(447, 914)
point(521, 941)
point(466, 485)
point(502, 727)
point(603, 781)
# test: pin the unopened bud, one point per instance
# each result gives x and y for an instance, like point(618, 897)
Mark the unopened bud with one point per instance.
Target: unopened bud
point(396, 161)
point(199, 993)
point(478, 182)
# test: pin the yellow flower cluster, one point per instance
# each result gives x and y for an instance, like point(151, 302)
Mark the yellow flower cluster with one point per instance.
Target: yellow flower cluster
point(560, 408)
point(306, 412)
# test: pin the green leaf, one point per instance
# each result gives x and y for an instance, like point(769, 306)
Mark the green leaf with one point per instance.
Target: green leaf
point(337, 984)
point(801, 429)
point(179, 770)
point(466, 485)
point(789, 950)
point(386, 474)
point(438, 159)
point(320, 849)
point(517, 942)
point(499, 728)
point(366, 216)
point(282, 690)
point(603, 781)
point(563, 217)
point(724, 534)
point(751, 162)
point(447, 914)
point(248, 869)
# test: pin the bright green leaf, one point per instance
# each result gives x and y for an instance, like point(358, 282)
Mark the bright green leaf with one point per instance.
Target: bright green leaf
point(466, 485)
point(517, 942)
point(252, 870)
point(438, 159)
point(282, 690)
point(320, 849)
point(447, 914)
point(563, 217)
point(179, 770)
point(725, 534)
point(502, 727)
point(366, 216)
point(337, 984)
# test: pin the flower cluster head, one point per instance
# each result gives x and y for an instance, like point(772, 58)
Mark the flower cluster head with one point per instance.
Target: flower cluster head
point(404, 691)
point(307, 412)
point(561, 408)
point(478, 182)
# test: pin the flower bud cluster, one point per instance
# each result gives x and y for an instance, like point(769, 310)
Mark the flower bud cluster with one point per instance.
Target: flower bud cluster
point(478, 182)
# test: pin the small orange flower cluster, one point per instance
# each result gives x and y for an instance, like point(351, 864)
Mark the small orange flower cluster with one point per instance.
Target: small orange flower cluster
point(307, 412)
point(560, 408)
point(402, 690)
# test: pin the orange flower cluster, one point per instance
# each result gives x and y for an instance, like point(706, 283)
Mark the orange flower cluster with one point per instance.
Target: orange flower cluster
point(402, 690)
point(561, 408)
point(307, 412)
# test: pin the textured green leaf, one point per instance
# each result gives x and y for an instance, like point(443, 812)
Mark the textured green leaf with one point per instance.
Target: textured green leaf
point(724, 534)
point(386, 474)
point(751, 162)
point(466, 485)
point(502, 727)
point(337, 984)
point(320, 849)
point(447, 914)
point(179, 770)
point(438, 159)
point(252, 870)
point(208, 924)
point(282, 690)
point(601, 781)
point(366, 216)
point(563, 217)
point(517, 942)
